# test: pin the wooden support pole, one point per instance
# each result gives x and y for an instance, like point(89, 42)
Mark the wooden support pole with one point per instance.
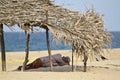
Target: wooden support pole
point(72, 59)
point(47, 40)
point(27, 50)
point(49, 50)
point(3, 55)
point(85, 62)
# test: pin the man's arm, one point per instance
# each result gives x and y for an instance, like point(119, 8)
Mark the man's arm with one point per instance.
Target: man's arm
point(60, 63)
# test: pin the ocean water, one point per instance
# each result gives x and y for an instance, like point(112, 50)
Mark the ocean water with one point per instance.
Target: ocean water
point(15, 41)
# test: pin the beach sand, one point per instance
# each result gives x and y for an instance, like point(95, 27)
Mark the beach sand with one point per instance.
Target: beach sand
point(96, 70)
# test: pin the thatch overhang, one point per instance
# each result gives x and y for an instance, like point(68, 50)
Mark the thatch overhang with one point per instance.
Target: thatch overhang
point(29, 13)
point(87, 35)
point(33, 12)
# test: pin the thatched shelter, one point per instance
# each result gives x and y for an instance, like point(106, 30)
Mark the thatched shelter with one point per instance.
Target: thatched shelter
point(84, 32)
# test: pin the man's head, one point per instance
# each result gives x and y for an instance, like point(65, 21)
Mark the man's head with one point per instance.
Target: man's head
point(66, 59)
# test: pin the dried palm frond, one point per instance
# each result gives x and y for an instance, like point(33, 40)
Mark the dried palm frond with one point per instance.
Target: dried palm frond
point(87, 34)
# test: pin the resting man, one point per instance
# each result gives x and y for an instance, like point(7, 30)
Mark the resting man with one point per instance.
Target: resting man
point(57, 60)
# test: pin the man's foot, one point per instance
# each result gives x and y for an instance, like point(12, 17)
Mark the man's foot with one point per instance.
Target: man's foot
point(19, 68)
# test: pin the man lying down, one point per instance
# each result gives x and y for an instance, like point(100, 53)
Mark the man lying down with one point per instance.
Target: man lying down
point(57, 60)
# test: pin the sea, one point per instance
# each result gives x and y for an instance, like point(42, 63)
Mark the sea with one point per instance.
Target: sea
point(16, 41)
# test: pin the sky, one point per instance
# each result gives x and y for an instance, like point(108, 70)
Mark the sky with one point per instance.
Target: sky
point(109, 8)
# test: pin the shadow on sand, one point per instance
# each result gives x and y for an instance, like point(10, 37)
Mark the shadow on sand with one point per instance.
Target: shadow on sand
point(65, 68)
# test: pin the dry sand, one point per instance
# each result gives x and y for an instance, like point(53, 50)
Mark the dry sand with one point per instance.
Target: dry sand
point(102, 70)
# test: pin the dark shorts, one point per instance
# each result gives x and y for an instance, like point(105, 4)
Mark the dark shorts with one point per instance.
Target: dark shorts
point(37, 63)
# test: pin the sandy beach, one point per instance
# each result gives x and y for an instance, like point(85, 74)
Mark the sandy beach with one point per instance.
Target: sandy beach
point(96, 70)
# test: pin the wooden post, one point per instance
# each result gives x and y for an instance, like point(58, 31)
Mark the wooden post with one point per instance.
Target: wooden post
point(3, 55)
point(72, 59)
point(27, 50)
point(49, 50)
point(47, 40)
point(85, 62)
